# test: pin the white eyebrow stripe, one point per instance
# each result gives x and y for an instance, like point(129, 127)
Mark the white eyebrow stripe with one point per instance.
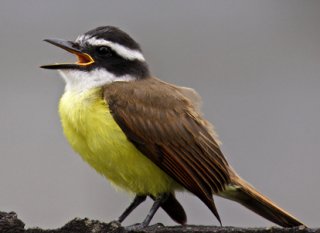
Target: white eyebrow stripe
point(124, 52)
point(82, 38)
point(79, 38)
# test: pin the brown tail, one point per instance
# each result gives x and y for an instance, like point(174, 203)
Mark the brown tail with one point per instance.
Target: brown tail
point(174, 209)
point(243, 193)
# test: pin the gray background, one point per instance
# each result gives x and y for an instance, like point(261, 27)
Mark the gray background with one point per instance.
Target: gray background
point(255, 63)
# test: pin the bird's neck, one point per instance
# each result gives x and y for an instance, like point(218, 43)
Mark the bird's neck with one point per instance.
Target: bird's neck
point(82, 81)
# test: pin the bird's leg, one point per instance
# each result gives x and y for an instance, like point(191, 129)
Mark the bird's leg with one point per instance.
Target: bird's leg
point(156, 204)
point(136, 201)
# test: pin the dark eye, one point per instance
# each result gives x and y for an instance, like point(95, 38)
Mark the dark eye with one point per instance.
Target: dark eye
point(104, 51)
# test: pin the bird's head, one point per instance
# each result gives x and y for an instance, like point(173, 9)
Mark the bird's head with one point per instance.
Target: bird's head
point(105, 54)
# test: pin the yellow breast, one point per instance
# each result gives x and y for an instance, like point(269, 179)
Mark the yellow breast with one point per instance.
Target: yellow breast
point(93, 133)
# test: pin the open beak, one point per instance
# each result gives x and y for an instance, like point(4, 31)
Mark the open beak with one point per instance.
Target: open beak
point(84, 59)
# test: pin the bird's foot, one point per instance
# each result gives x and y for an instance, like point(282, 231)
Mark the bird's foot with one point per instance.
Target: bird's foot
point(155, 226)
point(115, 223)
point(139, 226)
point(115, 227)
point(134, 227)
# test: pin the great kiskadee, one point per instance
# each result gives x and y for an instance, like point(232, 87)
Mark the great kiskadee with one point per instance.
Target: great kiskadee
point(144, 135)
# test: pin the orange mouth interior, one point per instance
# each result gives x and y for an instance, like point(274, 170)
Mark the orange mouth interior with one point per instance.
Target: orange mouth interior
point(84, 59)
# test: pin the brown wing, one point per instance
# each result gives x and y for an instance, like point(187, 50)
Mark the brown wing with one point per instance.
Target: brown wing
point(164, 125)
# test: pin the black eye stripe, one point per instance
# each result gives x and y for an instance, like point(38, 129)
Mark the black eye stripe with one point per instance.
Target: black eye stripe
point(104, 51)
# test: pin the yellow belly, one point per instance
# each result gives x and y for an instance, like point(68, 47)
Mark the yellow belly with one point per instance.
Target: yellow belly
point(93, 133)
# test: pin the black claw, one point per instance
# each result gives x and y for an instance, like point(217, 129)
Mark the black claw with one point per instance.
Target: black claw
point(115, 227)
point(134, 227)
point(136, 202)
point(140, 226)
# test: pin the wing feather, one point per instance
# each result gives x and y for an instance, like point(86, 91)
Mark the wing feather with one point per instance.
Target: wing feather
point(166, 127)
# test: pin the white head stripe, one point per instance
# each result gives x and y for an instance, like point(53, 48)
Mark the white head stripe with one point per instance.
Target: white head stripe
point(121, 50)
point(81, 38)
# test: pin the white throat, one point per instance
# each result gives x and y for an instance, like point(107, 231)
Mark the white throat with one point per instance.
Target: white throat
point(77, 80)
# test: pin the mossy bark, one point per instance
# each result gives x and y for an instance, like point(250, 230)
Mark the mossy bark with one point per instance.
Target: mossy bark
point(9, 223)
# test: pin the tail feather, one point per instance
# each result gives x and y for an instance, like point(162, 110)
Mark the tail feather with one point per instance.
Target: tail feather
point(174, 209)
point(243, 193)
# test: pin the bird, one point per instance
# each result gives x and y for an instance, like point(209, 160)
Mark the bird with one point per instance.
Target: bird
point(146, 136)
